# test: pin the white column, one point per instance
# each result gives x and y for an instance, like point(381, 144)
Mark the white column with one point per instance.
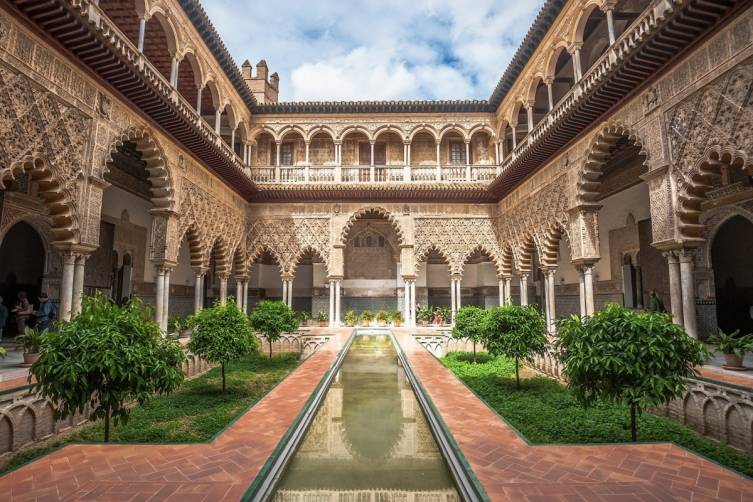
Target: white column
point(159, 297)
point(453, 305)
point(198, 101)
point(413, 302)
point(245, 296)
point(308, 144)
point(529, 113)
point(223, 289)
point(66, 285)
point(577, 69)
point(277, 162)
point(409, 155)
point(217, 121)
point(166, 300)
point(588, 283)
point(232, 140)
point(508, 290)
point(142, 32)
point(406, 302)
point(174, 72)
point(523, 290)
point(501, 293)
point(546, 300)
point(610, 26)
point(468, 160)
point(197, 292)
point(549, 94)
point(439, 163)
point(290, 293)
point(338, 301)
point(331, 303)
point(285, 291)
point(78, 283)
point(552, 302)
point(514, 136)
point(675, 287)
point(239, 293)
point(582, 291)
point(458, 297)
point(688, 293)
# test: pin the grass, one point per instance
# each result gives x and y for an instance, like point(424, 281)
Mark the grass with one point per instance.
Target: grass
point(545, 411)
point(194, 413)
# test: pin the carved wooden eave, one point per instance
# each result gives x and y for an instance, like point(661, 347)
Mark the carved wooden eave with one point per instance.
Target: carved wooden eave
point(410, 106)
point(659, 36)
point(475, 192)
point(93, 39)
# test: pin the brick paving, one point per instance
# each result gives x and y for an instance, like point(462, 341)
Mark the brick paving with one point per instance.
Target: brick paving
point(216, 471)
point(512, 470)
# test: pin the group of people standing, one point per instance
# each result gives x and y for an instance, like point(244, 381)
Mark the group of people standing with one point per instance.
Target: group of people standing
point(25, 314)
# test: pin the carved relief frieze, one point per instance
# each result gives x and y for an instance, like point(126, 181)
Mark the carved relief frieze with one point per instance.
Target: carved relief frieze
point(288, 238)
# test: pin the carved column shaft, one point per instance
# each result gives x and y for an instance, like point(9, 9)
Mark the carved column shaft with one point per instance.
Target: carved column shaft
point(66, 285)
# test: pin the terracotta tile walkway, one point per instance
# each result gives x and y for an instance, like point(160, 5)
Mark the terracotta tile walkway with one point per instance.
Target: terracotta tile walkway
point(219, 470)
point(511, 470)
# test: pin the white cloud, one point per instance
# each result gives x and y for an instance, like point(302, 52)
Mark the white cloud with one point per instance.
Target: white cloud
point(377, 49)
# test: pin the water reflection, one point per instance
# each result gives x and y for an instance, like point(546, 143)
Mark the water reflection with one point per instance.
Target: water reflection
point(369, 439)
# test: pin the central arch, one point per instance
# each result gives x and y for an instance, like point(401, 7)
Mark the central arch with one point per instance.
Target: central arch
point(364, 212)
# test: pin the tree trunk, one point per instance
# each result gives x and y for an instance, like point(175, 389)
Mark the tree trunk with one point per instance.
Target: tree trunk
point(222, 364)
point(633, 425)
point(270, 350)
point(517, 374)
point(474, 351)
point(107, 424)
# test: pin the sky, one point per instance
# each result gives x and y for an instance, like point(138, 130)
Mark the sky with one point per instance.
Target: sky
point(328, 50)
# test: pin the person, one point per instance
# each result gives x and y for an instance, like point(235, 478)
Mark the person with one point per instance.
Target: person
point(23, 310)
point(3, 316)
point(655, 303)
point(46, 313)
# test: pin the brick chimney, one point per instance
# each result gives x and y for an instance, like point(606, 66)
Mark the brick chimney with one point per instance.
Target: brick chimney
point(264, 87)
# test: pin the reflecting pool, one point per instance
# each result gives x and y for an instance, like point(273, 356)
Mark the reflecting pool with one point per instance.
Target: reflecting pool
point(369, 439)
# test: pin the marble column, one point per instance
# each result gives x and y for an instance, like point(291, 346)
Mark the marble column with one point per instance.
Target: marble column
point(223, 288)
point(285, 291)
point(453, 305)
point(523, 289)
point(552, 302)
point(675, 287)
point(331, 303)
point(78, 283)
point(290, 293)
point(610, 26)
point(66, 285)
point(239, 293)
point(338, 301)
point(508, 290)
point(638, 288)
point(413, 302)
point(198, 291)
point(588, 283)
point(458, 296)
point(501, 289)
point(406, 301)
point(687, 278)
point(547, 307)
point(159, 297)
point(245, 296)
point(142, 32)
point(166, 300)
point(582, 291)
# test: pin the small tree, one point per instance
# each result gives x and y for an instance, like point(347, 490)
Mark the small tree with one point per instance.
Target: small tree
point(515, 332)
point(272, 319)
point(469, 324)
point(221, 334)
point(638, 359)
point(107, 356)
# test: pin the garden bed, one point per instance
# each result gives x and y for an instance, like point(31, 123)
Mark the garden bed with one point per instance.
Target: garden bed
point(546, 412)
point(196, 412)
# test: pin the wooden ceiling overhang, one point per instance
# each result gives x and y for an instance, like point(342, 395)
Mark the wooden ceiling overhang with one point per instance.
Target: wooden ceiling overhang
point(652, 42)
point(81, 28)
point(461, 192)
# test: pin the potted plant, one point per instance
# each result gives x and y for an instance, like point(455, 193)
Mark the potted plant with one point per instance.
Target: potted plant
point(382, 318)
point(178, 325)
point(30, 342)
point(322, 317)
point(424, 315)
point(733, 346)
point(397, 318)
point(366, 317)
point(351, 318)
point(446, 314)
point(305, 317)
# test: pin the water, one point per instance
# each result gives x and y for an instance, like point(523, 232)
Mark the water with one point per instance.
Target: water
point(369, 440)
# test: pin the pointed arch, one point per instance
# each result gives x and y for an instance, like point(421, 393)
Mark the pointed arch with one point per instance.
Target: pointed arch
point(157, 169)
point(307, 249)
point(423, 255)
point(360, 213)
point(598, 154)
point(260, 250)
point(484, 250)
point(57, 199)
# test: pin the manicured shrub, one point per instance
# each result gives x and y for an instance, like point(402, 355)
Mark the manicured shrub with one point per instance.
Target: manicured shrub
point(272, 319)
point(515, 332)
point(106, 357)
point(221, 334)
point(468, 324)
point(638, 359)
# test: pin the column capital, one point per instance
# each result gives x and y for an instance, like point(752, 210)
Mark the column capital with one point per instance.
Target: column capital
point(223, 276)
point(408, 278)
point(686, 255)
point(575, 46)
point(288, 277)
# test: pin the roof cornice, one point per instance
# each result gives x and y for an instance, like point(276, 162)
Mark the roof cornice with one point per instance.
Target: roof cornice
point(206, 29)
point(533, 38)
point(417, 106)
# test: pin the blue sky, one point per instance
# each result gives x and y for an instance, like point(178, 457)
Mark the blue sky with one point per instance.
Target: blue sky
point(377, 49)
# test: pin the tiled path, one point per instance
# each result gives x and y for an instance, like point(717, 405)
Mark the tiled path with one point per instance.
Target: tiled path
point(219, 470)
point(511, 470)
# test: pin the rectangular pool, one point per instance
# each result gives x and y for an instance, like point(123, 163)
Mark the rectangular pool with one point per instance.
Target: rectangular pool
point(369, 440)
